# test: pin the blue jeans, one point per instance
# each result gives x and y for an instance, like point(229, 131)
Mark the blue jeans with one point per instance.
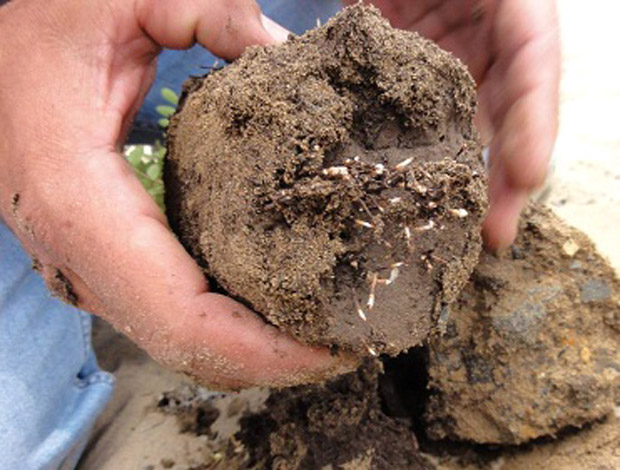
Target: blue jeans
point(51, 389)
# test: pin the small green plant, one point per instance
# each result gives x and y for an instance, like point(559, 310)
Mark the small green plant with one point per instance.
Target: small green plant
point(147, 161)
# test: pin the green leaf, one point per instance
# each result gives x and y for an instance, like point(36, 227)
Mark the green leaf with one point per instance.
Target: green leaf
point(164, 122)
point(170, 96)
point(165, 110)
point(154, 171)
point(135, 156)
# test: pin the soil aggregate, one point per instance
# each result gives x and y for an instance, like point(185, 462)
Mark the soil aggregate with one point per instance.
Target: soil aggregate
point(532, 344)
point(333, 183)
point(338, 425)
point(529, 359)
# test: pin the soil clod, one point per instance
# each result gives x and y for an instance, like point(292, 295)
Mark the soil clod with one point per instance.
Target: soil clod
point(333, 183)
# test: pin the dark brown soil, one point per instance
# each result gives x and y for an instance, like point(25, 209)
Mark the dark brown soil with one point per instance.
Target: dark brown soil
point(339, 425)
point(306, 176)
point(532, 344)
point(531, 350)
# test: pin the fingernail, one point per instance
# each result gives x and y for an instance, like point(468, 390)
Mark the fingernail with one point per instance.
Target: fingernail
point(276, 31)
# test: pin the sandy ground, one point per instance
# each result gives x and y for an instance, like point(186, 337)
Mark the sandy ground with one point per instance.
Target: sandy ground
point(585, 191)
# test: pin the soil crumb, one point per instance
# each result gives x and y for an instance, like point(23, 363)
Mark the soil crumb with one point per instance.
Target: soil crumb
point(531, 345)
point(333, 183)
point(339, 425)
point(193, 407)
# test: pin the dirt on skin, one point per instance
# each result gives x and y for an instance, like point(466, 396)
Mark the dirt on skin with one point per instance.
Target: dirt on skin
point(532, 344)
point(333, 183)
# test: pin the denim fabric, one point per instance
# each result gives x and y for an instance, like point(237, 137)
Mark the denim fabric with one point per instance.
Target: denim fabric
point(51, 389)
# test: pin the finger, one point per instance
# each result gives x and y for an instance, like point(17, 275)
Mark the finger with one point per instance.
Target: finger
point(402, 13)
point(525, 141)
point(119, 245)
point(226, 28)
point(526, 91)
point(500, 225)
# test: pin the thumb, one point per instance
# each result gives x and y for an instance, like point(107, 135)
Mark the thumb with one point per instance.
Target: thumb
point(225, 27)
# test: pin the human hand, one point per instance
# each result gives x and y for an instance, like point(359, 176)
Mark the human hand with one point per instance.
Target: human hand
point(73, 76)
point(512, 49)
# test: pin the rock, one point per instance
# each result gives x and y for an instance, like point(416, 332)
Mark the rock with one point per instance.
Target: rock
point(531, 346)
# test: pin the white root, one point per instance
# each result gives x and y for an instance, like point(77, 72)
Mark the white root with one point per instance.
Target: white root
point(358, 308)
point(379, 169)
point(372, 351)
point(363, 223)
point(373, 286)
point(405, 163)
point(408, 234)
point(394, 272)
point(428, 226)
point(460, 213)
point(336, 172)
point(427, 263)
point(408, 237)
point(361, 314)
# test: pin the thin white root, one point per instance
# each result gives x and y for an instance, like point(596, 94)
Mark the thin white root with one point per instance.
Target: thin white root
point(363, 223)
point(460, 213)
point(361, 314)
point(427, 263)
point(373, 286)
point(358, 308)
point(428, 226)
point(372, 352)
point(379, 169)
point(405, 163)
point(336, 172)
point(394, 272)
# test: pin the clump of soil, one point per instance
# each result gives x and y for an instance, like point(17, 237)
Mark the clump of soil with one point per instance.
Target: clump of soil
point(333, 183)
point(532, 342)
point(193, 408)
point(339, 425)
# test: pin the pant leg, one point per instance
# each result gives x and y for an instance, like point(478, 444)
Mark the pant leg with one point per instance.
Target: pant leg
point(51, 389)
point(175, 67)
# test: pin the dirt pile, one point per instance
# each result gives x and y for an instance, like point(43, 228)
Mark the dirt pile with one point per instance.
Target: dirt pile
point(532, 344)
point(337, 425)
point(333, 183)
point(530, 351)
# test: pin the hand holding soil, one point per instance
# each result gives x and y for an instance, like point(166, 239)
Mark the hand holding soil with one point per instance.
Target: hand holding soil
point(72, 77)
point(512, 49)
point(98, 239)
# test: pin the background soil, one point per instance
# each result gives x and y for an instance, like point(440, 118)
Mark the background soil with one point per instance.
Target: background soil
point(585, 192)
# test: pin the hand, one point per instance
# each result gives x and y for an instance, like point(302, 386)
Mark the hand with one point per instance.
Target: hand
point(73, 75)
point(512, 49)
